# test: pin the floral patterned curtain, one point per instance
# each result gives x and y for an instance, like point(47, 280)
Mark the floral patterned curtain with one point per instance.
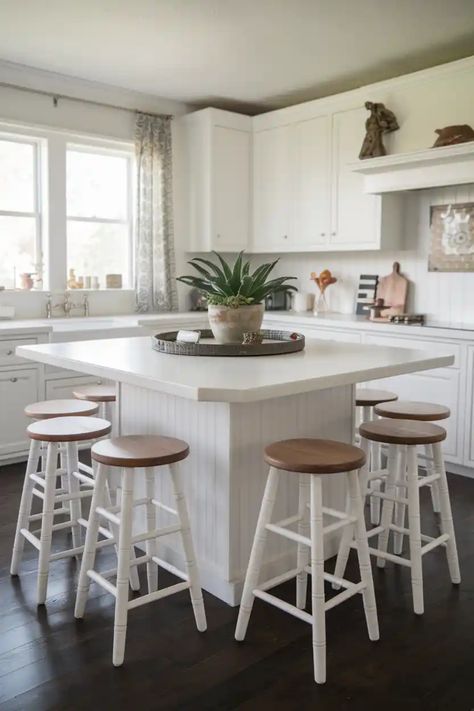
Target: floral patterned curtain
point(155, 283)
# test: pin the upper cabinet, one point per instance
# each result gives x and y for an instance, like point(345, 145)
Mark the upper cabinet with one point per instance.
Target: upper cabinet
point(274, 186)
point(218, 173)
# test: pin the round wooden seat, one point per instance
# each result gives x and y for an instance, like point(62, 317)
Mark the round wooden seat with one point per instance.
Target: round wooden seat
point(366, 397)
point(411, 432)
point(408, 410)
point(140, 451)
point(68, 429)
point(314, 456)
point(95, 393)
point(61, 408)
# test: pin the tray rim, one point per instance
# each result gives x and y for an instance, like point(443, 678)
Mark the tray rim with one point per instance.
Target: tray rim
point(285, 340)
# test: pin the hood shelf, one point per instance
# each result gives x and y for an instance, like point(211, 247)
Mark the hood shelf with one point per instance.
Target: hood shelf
point(431, 168)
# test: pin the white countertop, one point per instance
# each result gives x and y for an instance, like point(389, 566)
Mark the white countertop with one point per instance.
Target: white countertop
point(323, 364)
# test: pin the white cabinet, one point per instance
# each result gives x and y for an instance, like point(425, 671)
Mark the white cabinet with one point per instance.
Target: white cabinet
point(62, 388)
point(271, 152)
point(358, 221)
point(18, 388)
point(310, 186)
point(306, 198)
point(218, 174)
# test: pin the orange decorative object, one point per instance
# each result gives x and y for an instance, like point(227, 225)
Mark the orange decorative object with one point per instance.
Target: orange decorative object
point(322, 281)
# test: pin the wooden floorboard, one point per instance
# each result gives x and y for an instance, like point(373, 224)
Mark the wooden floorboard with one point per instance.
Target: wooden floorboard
point(49, 661)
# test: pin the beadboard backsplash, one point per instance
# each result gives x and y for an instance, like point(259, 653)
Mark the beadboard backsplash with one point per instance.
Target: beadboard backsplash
point(441, 296)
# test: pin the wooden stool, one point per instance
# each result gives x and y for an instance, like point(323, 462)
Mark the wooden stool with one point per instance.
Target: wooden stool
point(366, 400)
point(102, 394)
point(55, 431)
point(425, 412)
point(130, 452)
point(311, 457)
point(410, 434)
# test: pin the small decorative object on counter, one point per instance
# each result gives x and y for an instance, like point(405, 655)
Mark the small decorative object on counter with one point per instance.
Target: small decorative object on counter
point(302, 301)
point(26, 281)
point(72, 281)
point(113, 281)
point(322, 281)
point(392, 293)
point(252, 337)
point(366, 293)
point(188, 336)
point(408, 319)
point(80, 282)
point(198, 300)
point(380, 121)
point(235, 296)
point(87, 282)
point(451, 135)
point(95, 282)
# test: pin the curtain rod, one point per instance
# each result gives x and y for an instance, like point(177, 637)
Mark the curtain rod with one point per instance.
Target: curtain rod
point(56, 97)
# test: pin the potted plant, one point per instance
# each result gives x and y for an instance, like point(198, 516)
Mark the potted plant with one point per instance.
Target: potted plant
point(234, 295)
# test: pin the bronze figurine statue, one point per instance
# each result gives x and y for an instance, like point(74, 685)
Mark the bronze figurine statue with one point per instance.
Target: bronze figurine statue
point(380, 121)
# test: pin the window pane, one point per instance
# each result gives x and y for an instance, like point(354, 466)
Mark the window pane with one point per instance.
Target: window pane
point(17, 248)
point(97, 249)
point(96, 185)
point(17, 170)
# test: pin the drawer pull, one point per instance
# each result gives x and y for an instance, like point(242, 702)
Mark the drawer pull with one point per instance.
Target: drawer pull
point(9, 353)
point(13, 380)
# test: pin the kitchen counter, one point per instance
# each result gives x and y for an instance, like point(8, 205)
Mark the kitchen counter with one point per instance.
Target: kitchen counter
point(228, 410)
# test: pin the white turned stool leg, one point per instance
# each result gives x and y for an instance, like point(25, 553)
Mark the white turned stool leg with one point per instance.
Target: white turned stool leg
point(303, 552)
point(376, 484)
point(75, 509)
point(387, 508)
point(114, 529)
point(368, 594)
point(414, 526)
point(400, 508)
point(25, 505)
point(348, 531)
point(188, 546)
point(47, 522)
point(123, 568)
point(92, 532)
point(151, 544)
point(256, 554)
point(317, 580)
point(446, 515)
point(434, 487)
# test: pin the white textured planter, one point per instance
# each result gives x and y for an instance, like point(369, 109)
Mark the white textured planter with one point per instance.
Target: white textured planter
point(229, 325)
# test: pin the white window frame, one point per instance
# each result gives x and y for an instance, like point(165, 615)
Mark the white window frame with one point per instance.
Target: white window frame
point(39, 146)
point(99, 149)
point(52, 146)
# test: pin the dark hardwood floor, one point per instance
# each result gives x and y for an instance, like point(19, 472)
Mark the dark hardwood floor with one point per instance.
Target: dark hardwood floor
point(50, 661)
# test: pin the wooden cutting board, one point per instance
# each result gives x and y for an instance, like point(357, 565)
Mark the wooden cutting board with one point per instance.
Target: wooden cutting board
point(393, 289)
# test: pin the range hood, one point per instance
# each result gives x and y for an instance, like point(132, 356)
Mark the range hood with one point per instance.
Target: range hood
point(431, 168)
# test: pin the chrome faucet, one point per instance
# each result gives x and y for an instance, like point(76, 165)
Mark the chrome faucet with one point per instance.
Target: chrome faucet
point(67, 306)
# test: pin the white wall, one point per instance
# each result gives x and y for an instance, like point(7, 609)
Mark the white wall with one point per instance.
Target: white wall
point(27, 108)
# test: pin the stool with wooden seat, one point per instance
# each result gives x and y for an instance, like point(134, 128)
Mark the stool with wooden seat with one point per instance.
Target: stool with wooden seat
point(54, 431)
point(425, 412)
point(311, 458)
point(129, 453)
point(408, 434)
point(366, 400)
point(101, 394)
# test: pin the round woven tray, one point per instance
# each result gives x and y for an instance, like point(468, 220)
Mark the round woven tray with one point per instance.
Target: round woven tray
point(275, 343)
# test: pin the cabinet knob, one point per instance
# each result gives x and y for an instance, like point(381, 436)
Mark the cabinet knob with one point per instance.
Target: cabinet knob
point(333, 234)
point(218, 236)
point(323, 234)
point(285, 236)
point(9, 353)
point(13, 380)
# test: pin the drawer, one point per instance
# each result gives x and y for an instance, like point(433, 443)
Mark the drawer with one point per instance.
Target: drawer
point(18, 388)
point(433, 347)
point(8, 347)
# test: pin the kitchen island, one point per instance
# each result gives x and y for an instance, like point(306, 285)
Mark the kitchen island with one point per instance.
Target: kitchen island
point(228, 409)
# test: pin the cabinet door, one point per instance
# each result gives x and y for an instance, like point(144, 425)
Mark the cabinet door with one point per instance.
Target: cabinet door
point(230, 189)
point(271, 190)
point(309, 146)
point(18, 388)
point(355, 216)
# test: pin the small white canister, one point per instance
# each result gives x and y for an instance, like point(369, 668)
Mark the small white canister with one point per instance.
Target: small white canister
point(302, 301)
